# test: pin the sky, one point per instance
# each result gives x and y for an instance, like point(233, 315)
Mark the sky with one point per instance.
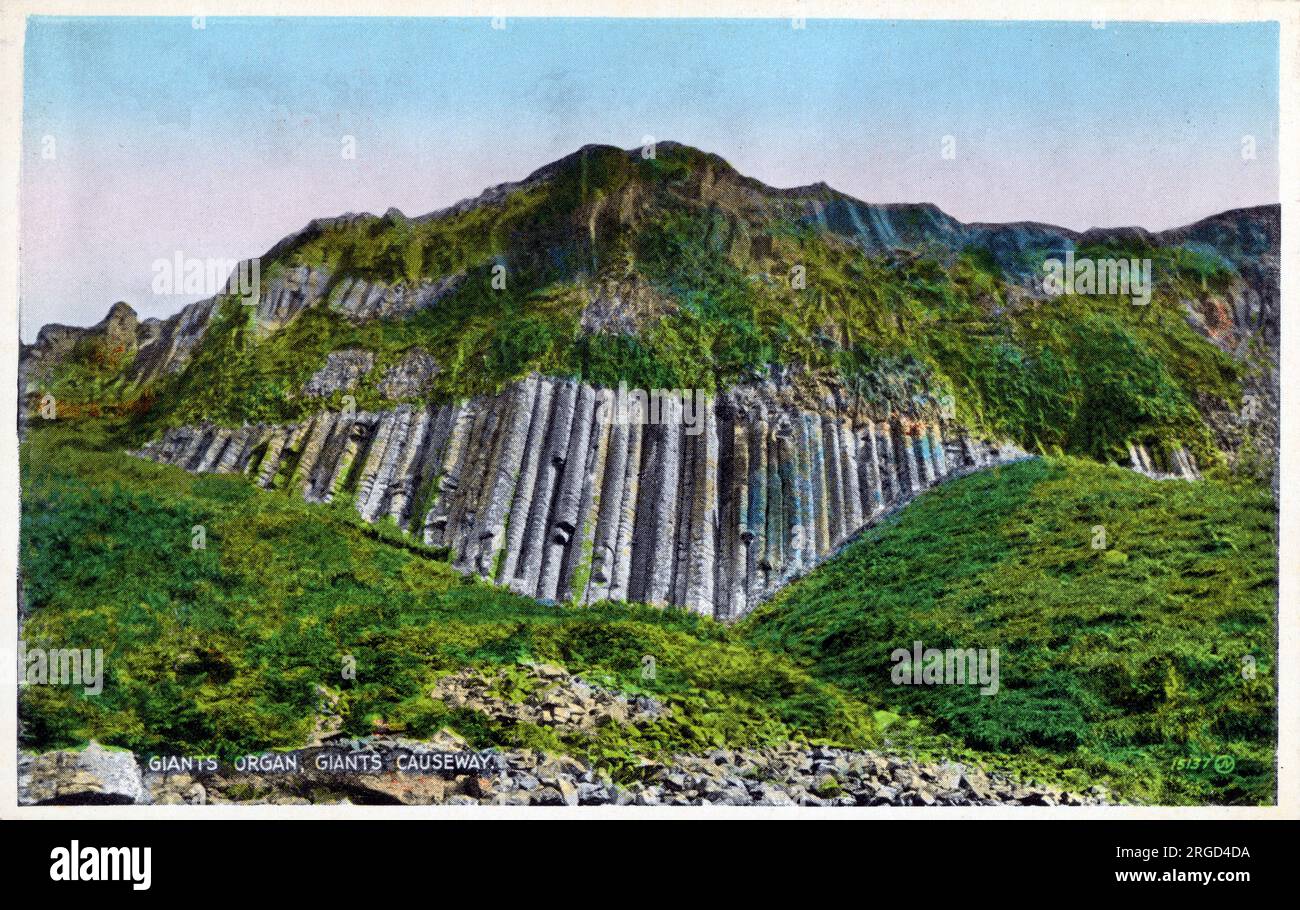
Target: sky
point(148, 137)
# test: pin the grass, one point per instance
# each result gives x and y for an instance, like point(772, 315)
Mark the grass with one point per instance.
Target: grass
point(1117, 661)
point(220, 650)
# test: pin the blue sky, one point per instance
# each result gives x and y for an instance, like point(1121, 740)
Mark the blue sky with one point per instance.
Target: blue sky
point(219, 141)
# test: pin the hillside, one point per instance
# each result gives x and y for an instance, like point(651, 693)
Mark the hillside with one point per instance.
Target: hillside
point(1129, 660)
point(678, 272)
point(1122, 659)
point(876, 428)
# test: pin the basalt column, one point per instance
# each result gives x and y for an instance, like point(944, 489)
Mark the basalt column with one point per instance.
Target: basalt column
point(905, 460)
point(605, 542)
point(663, 535)
point(785, 529)
point(733, 569)
point(892, 471)
point(682, 521)
point(306, 473)
point(921, 445)
point(870, 471)
point(234, 450)
point(834, 462)
point(754, 532)
point(373, 504)
point(533, 456)
point(529, 571)
point(569, 498)
point(849, 460)
point(448, 482)
point(220, 437)
point(621, 580)
point(357, 433)
point(937, 452)
point(704, 518)
point(489, 530)
point(192, 451)
point(575, 569)
point(469, 486)
point(374, 457)
point(402, 489)
point(818, 494)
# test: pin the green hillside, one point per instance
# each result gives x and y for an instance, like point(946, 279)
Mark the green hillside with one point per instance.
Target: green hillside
point(219, 650)
point(1115, 663)
point(1120, 660)
point(720, 278)
point(1118, 664)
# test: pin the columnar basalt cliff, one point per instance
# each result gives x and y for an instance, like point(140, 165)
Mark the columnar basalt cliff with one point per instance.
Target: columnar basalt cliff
point(563, 491)
point(713, 508)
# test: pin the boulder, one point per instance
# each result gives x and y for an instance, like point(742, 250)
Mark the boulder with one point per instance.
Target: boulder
point(90, 776)
point(341, 373)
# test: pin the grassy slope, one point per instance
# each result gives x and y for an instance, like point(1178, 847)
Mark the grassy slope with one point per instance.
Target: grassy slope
point(1113, 663)
point(1117, 661)
point(220, 650)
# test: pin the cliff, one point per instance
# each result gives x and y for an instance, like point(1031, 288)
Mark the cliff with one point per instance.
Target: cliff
point(560, 492)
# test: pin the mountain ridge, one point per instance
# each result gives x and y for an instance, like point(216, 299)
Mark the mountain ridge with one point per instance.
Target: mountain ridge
point(677, 271)
point(1268, 214)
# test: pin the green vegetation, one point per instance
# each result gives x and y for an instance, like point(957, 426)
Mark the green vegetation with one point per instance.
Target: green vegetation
point(480, 339)
point(1114, 664)
point(1117, 662)
point(219, 650)
point(93, 377)
point(736, 292)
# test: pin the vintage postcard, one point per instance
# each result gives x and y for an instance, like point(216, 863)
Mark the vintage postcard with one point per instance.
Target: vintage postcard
point(427, 409)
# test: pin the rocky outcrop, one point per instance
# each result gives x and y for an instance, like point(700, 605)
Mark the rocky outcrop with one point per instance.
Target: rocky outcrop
point(152, 347)
point(410, 377)
point(91, 776)
point(566, 492)
point(292, 290)
point(547, 696)
point(445, 770)
point(389, 770)
point(160, 347)
point(624, 306)
point(1162, 463)
point(341, 373)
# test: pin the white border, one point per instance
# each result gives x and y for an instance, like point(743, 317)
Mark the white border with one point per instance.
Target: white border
point(13, 15)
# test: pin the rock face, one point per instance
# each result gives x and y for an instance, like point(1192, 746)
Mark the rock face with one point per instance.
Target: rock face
point(160, 346)
point(1163, 463)
point(92, 776)
point(566, 492)
point(547, 696)
point(411, 377)
point(164, 346)
point(286, 295)
point(342, 371)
